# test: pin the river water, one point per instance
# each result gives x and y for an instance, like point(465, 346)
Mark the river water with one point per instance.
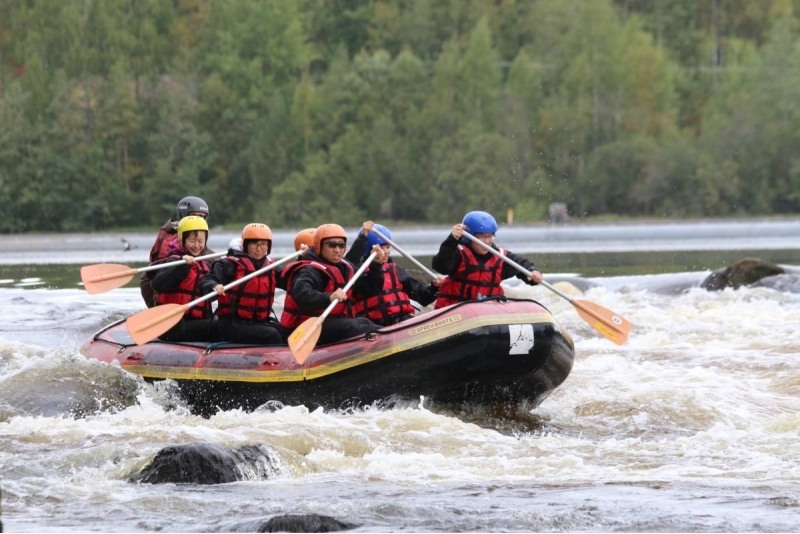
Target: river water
point(692, 425)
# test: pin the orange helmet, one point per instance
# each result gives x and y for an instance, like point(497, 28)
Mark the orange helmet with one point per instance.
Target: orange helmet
point(304, 237)
point(257, 232)
point(326, 231)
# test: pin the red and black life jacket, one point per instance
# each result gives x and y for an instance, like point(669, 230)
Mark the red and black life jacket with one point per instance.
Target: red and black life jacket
point(391, 302)
point(252, 300)
point(292, 315)
point(472, 280)
point(188, 290)
point(161, 247)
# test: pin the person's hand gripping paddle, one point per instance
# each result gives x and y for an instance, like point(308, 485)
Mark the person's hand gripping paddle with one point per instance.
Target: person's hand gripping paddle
point(102, 277)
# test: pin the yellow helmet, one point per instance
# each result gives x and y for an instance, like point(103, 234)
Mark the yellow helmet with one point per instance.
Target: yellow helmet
point(326, 231)
point(304, 237)
point(191, 223)
point(257, 232)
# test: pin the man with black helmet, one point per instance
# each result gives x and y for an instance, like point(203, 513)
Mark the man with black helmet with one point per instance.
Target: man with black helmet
point(169, 232)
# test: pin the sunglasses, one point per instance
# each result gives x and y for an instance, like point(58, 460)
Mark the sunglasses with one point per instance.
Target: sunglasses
point(336, 244)
point(262, 244)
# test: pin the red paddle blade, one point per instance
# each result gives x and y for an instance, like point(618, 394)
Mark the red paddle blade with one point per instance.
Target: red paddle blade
point(147, 325)
point(613, 326)
point(103, 277)
point(304, 338)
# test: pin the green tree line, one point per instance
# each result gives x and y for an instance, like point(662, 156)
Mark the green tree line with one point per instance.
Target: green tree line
point(299, 112)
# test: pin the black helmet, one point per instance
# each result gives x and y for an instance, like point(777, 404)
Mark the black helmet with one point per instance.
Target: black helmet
point(188, 205)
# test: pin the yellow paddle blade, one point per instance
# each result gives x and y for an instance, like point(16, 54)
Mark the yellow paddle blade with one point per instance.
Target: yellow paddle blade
point(147, 325)
point(613, 326)
point(103, 277)
point(305, 337)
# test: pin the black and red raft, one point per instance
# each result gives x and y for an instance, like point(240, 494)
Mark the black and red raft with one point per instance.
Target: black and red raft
point(490, 352)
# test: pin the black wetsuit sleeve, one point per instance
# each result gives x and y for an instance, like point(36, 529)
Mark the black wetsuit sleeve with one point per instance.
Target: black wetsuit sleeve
point(168, 279)
point(509, 270)
point(447, 259)
point(307, 289)
point(222, 272)
point(419, 291)
point(356, 253)
point(370, 283)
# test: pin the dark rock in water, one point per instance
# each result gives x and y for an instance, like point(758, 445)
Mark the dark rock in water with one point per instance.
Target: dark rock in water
point(304, 523)
point(68, 388)
point(742, 273)
point(205, 463)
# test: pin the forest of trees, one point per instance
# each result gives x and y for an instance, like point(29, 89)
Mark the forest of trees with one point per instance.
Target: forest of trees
point(299, 112)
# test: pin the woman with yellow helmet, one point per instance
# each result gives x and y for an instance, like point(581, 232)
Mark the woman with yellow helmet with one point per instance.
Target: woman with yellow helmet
point(181, 284)
point(166, 235)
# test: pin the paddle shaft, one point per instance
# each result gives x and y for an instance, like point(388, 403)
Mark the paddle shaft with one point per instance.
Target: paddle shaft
point(405, 254)
point(130, 272)
point(617, 324)
point(178, 262)
point(349, 284)
point(243, 279)
point(517, 266)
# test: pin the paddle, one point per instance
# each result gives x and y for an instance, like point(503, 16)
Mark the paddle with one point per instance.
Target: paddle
point(405, 254)
point(611, 325)
point(102, 277)
point(151, 323)
point(305, 337)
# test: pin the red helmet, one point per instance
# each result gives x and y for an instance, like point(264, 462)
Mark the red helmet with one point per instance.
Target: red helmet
point(326, 231)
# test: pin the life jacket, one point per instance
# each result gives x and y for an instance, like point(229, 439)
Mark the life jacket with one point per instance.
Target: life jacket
point(472, 280)
point(392, 301)
point(251, 300)
point(188, 290)
point(292, 315)
point(161, 246)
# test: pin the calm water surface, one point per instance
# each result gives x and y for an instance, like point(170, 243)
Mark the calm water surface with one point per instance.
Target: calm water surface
point(692, 425)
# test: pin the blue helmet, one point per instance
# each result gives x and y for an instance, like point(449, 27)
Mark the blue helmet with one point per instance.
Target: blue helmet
point(479, 222)
point(373, 239)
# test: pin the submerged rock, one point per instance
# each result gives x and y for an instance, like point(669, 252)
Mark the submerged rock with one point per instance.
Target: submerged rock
point(206, 463)
point(304, 523)
point(744, 272)
point(68, 387)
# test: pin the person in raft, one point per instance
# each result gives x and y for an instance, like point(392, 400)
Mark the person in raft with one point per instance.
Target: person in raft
point(474, 273)
point(245, 311)
point(181, 284)
point(316, 280)
point(386, 297)
point(169, 232)
point(304, 237)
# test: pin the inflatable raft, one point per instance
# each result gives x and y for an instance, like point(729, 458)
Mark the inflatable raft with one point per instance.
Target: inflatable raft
point(492, 352)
